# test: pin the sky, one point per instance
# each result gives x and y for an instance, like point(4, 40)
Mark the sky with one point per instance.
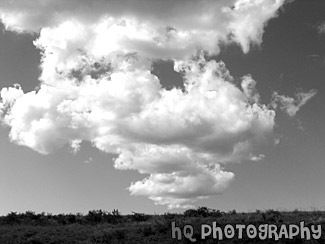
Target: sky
point(156, 106)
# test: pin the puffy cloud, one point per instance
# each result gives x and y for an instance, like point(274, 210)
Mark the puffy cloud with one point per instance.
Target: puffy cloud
point(97, 85)
point(249, 87)
point(292, 105)
point(9, 96)
point(249, 19)
point(176, 188)
point(178, 138)
point(158, 28)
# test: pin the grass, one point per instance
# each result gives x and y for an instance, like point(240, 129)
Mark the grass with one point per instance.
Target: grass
point(100, 226)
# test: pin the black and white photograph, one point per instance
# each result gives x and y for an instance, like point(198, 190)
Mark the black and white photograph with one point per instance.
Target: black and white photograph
point(162, 121)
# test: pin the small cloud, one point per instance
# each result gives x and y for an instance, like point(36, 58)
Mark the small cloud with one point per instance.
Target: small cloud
point(291, 105)
point(321, 28)
point(249, 88)
point(89, 160)
point(300, 125)
point(75, 145)
point(257, 158)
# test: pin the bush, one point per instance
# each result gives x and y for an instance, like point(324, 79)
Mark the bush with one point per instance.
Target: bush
point(12, 218)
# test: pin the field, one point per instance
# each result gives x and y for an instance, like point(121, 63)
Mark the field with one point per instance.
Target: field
point(100, 226)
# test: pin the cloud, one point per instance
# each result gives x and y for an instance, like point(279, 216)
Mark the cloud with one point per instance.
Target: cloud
point(97, 86)
point(292, 105)
point(181, 137)
point(257, 158)
point(321, 28)
point(89, 160)
point(158, 28)
point(175, 189)
point(249, 87)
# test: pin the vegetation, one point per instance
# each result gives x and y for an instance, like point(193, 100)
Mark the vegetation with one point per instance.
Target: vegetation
point(99, 226)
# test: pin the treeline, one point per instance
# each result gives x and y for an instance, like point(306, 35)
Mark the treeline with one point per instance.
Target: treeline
point(94, 217)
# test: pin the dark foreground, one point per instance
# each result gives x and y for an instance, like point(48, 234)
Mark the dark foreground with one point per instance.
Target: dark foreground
point(191, 227)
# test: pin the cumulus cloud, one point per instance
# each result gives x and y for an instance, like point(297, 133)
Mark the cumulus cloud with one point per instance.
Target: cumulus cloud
point(158, 28)
point(97, 86)
point(178, 138)
point(292, 105)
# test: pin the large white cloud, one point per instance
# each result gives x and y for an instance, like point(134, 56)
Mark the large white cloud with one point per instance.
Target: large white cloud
point(159, 28)
point(97, 85)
